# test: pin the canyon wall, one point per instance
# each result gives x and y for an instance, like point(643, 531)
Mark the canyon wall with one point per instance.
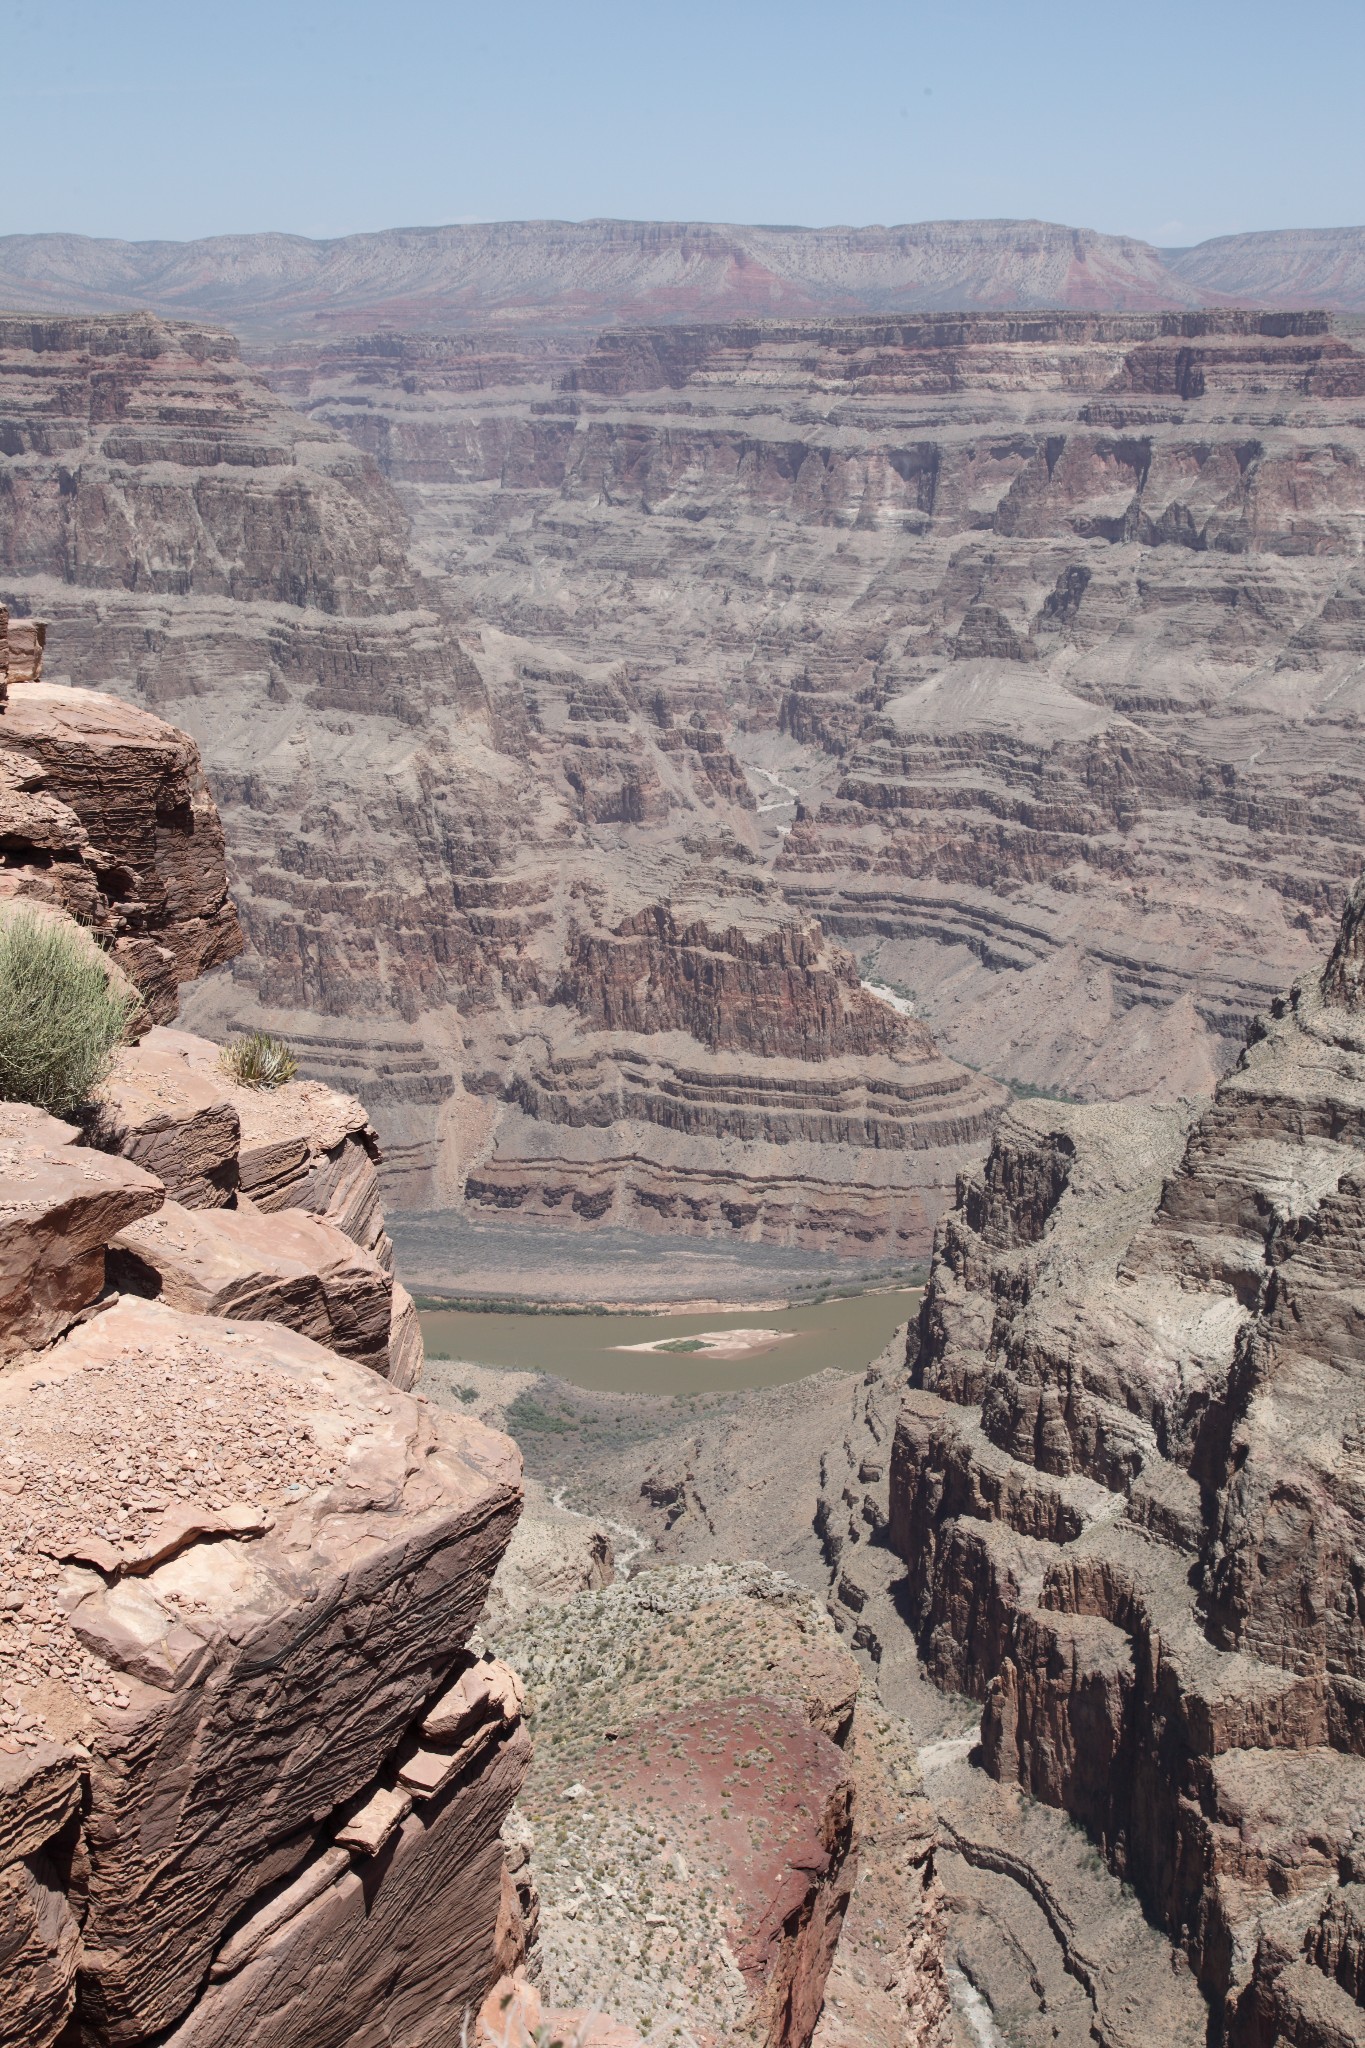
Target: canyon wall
point(1018, 654)
point(566, 276)
point(1125, 1488)
point(453, 878)
point(1037, 637)
point(252, 1779)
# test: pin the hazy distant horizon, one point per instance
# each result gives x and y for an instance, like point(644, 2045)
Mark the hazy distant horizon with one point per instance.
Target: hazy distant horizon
point(890, 227)
point(152, 122)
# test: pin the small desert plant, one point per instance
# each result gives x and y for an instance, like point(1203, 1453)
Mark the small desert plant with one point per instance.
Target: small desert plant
point(60, 1014)
point(258, 1060)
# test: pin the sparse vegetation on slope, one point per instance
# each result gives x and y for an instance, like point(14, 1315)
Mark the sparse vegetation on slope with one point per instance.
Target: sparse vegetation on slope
point(60, 1015)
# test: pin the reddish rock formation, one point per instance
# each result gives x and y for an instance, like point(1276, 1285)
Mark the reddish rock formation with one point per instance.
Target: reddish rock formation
point(721, 1071)
point(405, 1518)
point(775, 993)
point(107, 816)
point(1124, 1488)
point(251, 1780)
point(694, 1804)
point(763, 1804)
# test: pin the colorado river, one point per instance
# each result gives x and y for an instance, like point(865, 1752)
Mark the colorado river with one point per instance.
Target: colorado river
point(602, 1351)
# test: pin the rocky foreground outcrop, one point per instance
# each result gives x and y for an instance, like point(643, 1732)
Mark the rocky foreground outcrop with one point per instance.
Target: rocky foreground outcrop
point(1125, 1488)
point(252, 1779)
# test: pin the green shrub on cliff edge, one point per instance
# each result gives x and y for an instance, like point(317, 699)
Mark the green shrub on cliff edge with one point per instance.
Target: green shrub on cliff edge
point(258, 1060)
point(60, 1015)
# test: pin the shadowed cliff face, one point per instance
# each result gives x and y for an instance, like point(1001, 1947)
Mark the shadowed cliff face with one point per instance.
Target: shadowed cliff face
point(1126, 1487)
point(454, 880)
point(1038, 637)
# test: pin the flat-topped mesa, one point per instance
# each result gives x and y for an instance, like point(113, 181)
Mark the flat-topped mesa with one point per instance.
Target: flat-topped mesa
point(900, 352)
point(1125, 1487)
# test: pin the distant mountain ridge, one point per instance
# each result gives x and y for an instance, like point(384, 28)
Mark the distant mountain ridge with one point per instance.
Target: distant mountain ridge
point(579, 275)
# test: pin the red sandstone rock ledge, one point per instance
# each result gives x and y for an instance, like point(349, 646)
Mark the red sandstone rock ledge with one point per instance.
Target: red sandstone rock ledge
point(244, 1750)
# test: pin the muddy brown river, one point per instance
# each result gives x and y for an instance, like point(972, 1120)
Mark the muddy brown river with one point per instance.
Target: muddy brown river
point(697, 1353)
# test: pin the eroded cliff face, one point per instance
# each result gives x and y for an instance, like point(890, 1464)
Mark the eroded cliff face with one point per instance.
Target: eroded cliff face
point(727, 1077)
point(252, 1779)
point(1124, 1486)
point(1036, 637)
point(442, 869)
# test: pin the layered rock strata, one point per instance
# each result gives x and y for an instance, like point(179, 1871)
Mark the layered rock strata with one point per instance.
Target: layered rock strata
point(724, 1072)
point(197, 544)
point(1035, 636)
point(433, 860)
point(1124, 1488)
point(252, 1778)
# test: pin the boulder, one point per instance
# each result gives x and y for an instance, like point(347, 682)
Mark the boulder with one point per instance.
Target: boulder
point(62, 1206)
point(174, 1116)
point(239, 1700)
point(291, 1268)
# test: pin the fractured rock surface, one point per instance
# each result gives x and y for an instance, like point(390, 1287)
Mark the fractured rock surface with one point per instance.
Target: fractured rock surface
point(1124, 1487)
point(373, 1506)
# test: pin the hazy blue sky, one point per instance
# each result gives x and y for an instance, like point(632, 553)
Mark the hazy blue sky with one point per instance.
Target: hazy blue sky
point(147, 118)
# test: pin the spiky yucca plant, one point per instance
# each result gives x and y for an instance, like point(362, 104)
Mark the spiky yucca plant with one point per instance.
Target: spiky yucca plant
point(258, 1060)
